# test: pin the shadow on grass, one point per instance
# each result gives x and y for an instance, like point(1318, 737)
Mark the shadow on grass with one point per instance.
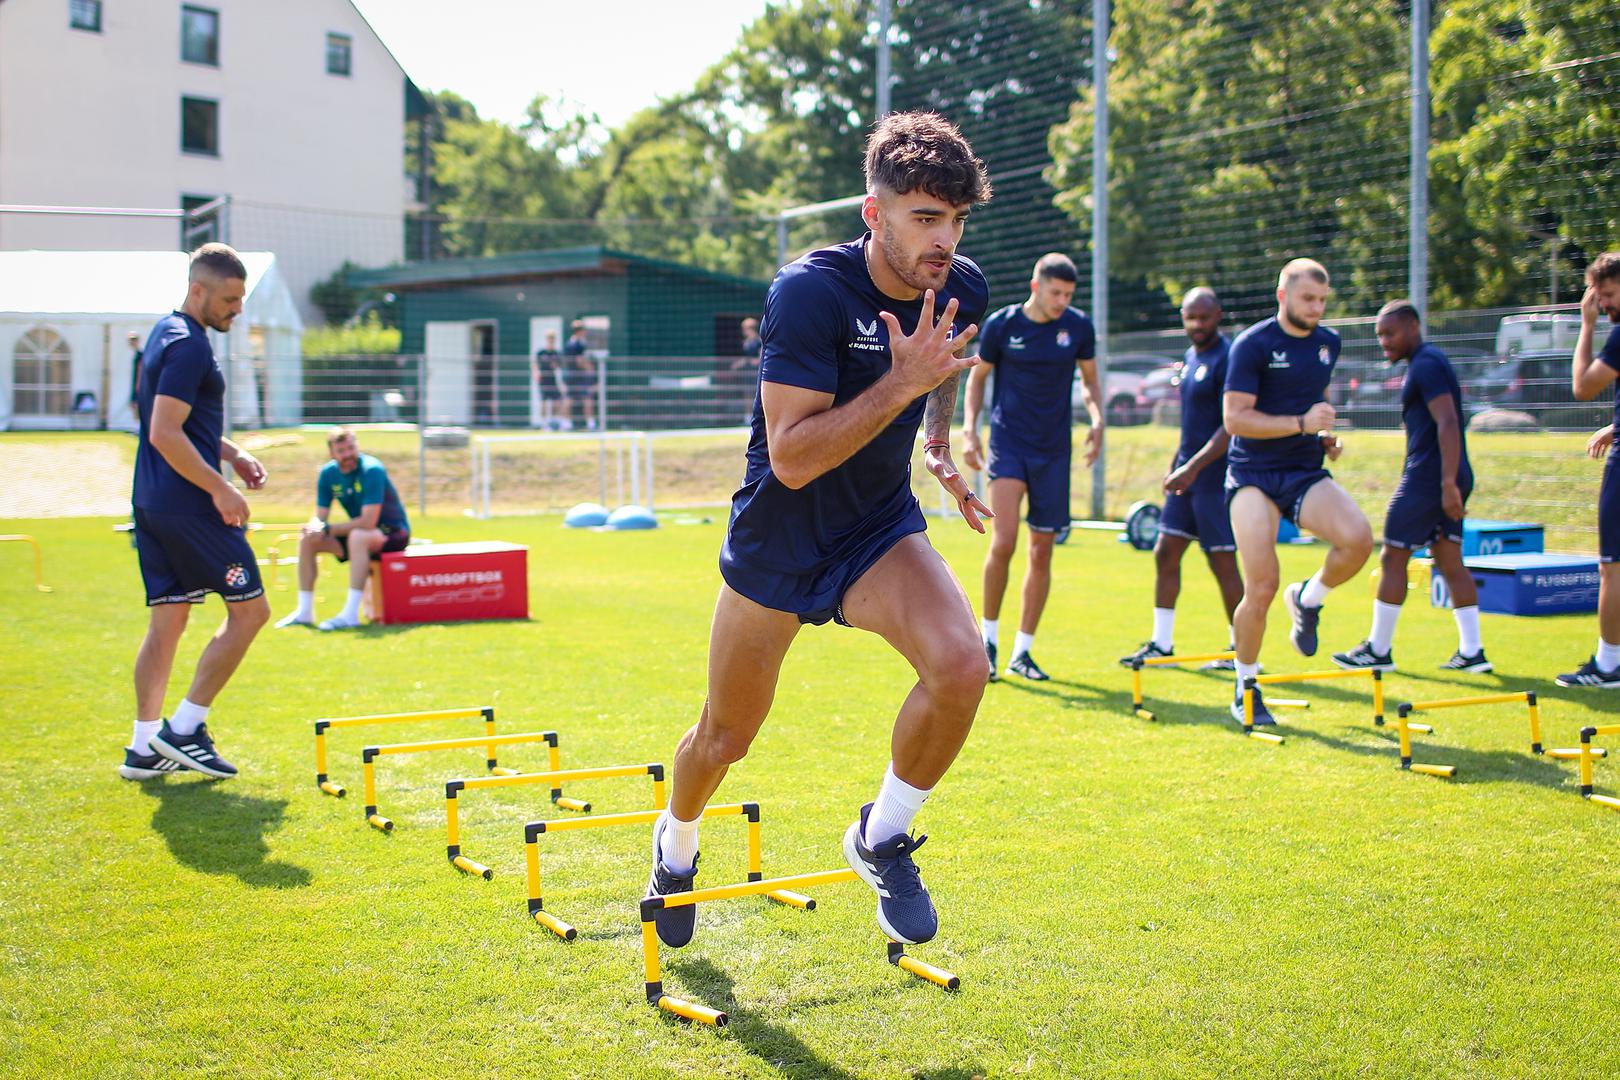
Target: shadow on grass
point(1074, 694)
point(213, 830)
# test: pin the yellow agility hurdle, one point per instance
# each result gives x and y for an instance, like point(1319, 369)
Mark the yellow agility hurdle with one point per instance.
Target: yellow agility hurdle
point(369, 755)
point(1586, 753)
point(1249, 686)
point(1141, 712)
point(454, 788)
point(650, 906)
point(1406, 727)
point(39, 559)
point(536, 829)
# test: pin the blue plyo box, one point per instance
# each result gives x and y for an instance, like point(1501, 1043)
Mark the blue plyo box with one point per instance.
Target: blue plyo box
point(1536, 583)
point(1482, 536)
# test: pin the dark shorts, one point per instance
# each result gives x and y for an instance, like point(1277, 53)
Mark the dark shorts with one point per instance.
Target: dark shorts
point(395, 541)
point(1285, 487)
point(1046, 476)
point(580, 384)
point(1199, 514)
point(184, 557)
point(1609, 513)
point(548, 389)
point(1415, 517)
point(817, 595)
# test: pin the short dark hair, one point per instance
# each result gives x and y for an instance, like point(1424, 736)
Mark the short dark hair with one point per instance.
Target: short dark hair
point(919, 150)
point(1606, 267)
point(1403, 308)
point(1055, 264)
point(217, 261)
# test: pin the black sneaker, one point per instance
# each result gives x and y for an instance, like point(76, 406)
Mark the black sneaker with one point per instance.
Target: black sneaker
point(904, 910)
point(195, 751)
point(1476, 663)
point(990, 651)
point(1148, 651)
point(1228, 664)
point(1303, 633)
point(675, 925)
point(1365, 658)
point(1024, 664)
point(147, 766)
point(1262, 715)
point(1591, 676)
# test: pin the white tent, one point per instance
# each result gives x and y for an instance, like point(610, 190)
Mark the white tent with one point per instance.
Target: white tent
point(64, 315)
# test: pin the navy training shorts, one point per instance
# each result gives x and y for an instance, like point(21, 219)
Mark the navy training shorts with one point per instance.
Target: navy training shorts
point(1200, 513)
point(184, 557)
point(1609, 513)
point(1285, 487)
point(1415, 517)
point(398, 540)
point(1046, 477)
point(816, 595)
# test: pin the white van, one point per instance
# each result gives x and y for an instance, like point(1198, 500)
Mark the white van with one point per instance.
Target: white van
point(1543, 332)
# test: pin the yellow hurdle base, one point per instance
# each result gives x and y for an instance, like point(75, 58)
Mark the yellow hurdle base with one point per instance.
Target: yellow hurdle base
point(691, 1010)
point(1264, 736)
point(377, 821)
point(792, 899)
point(936, 975)
point(333, 789)
point(565, 803)
point(1289, 702)
point(555, 925)
point(1144, 714)
point(1574, 753)
point(1604, 800)
point(468, 866)
point(1432, 770)
point(502, 770)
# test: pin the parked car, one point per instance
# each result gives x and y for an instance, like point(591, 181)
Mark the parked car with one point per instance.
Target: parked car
point(1537, 383)
point(1373, 392)
point(1124, 403)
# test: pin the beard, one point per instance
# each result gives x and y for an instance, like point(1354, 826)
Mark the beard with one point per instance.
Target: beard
point(1298, 319)
point(909, 270)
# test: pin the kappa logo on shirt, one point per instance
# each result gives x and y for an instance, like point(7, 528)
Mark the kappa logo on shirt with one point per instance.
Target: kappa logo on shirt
point(1279, 360)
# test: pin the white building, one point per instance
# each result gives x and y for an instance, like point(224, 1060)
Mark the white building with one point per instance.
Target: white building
point(294, 109)
point(64, 321)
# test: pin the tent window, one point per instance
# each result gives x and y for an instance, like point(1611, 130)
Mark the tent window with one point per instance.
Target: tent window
point(41, 374)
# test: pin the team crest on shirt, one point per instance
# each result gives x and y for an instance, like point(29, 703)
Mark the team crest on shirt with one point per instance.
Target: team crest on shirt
point(1063, 339)
point(1203, 370)
point(1322, 355)
point(235, 576)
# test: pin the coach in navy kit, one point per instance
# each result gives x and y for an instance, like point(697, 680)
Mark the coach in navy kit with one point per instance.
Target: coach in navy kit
point(189, 522)
point(1035, 348)
point(862, 342)
point(1277, 412)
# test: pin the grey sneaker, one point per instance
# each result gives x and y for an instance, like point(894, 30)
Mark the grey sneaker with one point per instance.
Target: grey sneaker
point(1303, 633)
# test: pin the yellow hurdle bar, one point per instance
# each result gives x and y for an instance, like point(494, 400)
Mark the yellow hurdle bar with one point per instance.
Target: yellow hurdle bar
point(1404, 729)
point(936, 975)
point(1248, 717)
point(1526, 696)
point(39, 559)
point(1586, 753)
point(369, 755)
point(454, 788)
point(1143, 713)
point(478, 712)
point(1333, 673)
point(752, 888)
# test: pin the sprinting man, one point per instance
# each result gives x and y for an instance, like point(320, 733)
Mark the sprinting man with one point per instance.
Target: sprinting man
point(377, 524)
point(862, 342)
point(1034, 347)
point(1429, 501)
point(1281, 425)
point(189, 522)
point(1194, 492)
point(1590, 376)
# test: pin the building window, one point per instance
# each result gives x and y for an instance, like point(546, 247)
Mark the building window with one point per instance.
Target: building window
point(195, 230)
point(85, 15)
point(199, 35)
point(41, 374)
point(199, 126)
point(339, 49)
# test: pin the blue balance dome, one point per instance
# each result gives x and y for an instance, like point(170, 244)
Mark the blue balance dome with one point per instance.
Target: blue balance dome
point(632, 517)
point(586, 516)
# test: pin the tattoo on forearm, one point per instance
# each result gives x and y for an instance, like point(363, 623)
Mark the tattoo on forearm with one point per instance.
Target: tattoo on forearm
point(940, 410)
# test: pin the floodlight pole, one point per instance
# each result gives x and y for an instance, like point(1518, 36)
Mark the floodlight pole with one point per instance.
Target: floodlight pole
point(1417, 251)
point(1099, 233)
point(883, 60)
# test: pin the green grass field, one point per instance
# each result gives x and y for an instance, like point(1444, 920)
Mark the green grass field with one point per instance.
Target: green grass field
point(1120, 898)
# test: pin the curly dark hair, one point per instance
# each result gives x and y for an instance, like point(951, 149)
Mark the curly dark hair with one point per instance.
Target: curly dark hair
point(918, 150)
point(1606, 267)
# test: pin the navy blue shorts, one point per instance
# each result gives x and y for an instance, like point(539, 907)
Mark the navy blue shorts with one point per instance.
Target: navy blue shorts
point(1285, 487)
point(184, 557)
point(1609, 513)
point(397, 540)
point(817, 595)
point(1415, 517)
point(1047, 478)
point(1199, 514)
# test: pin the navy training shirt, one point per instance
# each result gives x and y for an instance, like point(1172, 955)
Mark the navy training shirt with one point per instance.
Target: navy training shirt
point(821, 332)
point(1428, 376)
point(1286, 375)
point(179, 362)
point(1031, 410)
point(366, 485)
point(1203, 381)
point(1610, 355)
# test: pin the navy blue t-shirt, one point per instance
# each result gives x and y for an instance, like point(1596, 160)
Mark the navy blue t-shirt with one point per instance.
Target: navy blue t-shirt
point(1203, 380)
point(1032, 407)
point(1286, 375)
point(179, 362)
point(821, 332)
point(1429, 375)
point(1610, 355)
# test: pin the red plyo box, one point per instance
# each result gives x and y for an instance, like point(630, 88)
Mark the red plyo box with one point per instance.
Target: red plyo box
point(455, 583)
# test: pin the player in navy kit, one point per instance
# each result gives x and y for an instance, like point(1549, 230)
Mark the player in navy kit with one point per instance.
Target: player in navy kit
point(1034, 348)
point(862, 342)
point(1590, 376)
point(189, 522)
point(1427, 507)
point(1195, 497)
point(1277, 412)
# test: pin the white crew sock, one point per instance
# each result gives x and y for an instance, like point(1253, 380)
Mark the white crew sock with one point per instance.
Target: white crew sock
point(1383, 627)
point(678, 846)
point(1164, 627)
point(1608, 656)
point(1022, 644)
point(187, 718)
point(992, 630)
point(141, 741)
point(1468, 642)
point(351, 609)
point(894, 808)
point(1245, 671)
point(1231, 636)
point(1314, 594)
point(306, 605)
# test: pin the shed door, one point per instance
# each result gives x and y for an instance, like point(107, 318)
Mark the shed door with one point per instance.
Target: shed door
point(448, 346)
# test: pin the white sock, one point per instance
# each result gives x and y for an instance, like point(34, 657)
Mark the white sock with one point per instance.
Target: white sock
point(1468, 629)
point(1023, 643)
point(141, 741)
point(678, 846)
point(351, 610)
point(1231, 636)
point(187, 718)
point(1383, 627)
point(992, 630)
point(1164, 627)
point(894, 808)
point(1245, 671)
point(1314, 594)
point(1608, 656)
point(306, 605)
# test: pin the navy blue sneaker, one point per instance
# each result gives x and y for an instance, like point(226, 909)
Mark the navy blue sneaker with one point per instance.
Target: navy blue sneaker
point(675, 925)
point(990, 653)
point(147, 766)
point(1262, 715)
point(1590, 675)
point(1303, 634)
point(1024, 664)
point(195, 751)
point(904, 910)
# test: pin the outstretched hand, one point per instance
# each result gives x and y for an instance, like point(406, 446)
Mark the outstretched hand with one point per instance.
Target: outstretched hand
point(969, 505)
point(928, 356)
